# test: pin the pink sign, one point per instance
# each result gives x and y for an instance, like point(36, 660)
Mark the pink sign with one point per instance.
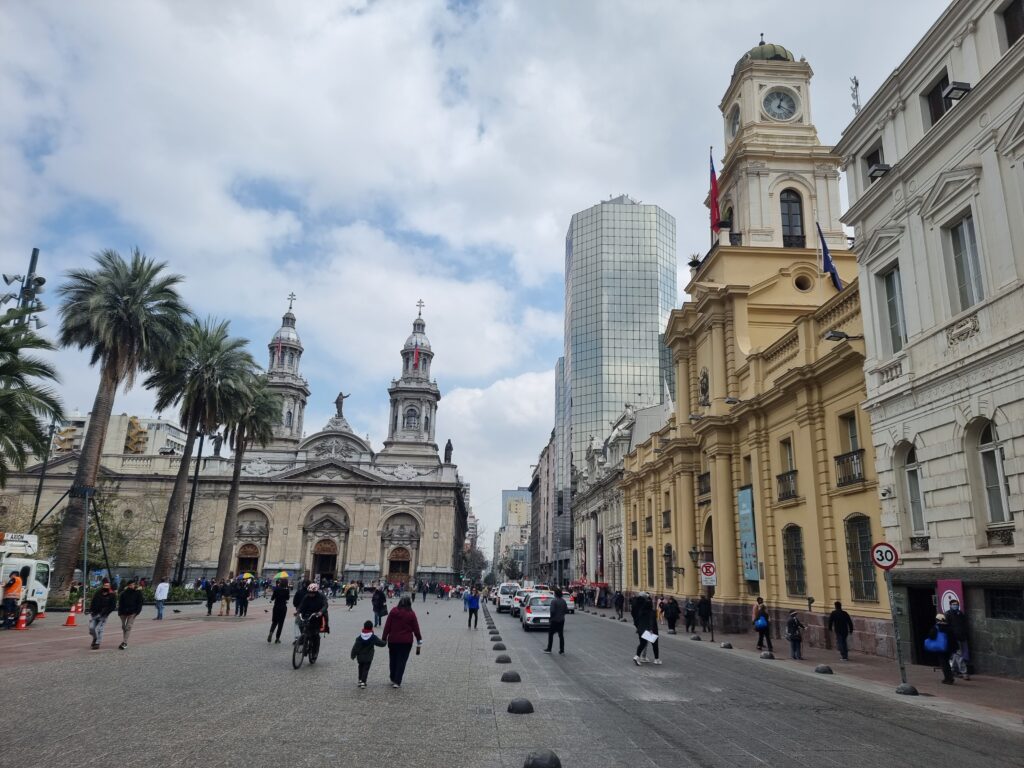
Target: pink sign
point(948, 590)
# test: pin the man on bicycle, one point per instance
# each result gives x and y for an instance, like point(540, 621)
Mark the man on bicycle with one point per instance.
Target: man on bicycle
point(313, 602)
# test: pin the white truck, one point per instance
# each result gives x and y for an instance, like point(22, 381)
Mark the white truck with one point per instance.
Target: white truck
point(17, 551)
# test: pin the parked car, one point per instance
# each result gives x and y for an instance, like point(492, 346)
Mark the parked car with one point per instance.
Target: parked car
point(504, 595)
point(517, 600)
point(536, 611)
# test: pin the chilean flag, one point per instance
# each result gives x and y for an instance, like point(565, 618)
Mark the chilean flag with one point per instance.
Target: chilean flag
point(416, 356)
point(714, 196)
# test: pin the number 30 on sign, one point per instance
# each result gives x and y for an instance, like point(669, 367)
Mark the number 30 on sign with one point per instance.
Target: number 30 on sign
point(885, 556)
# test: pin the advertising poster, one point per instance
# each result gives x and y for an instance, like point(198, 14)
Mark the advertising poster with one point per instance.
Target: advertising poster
point(948, 589)
point(748, 535)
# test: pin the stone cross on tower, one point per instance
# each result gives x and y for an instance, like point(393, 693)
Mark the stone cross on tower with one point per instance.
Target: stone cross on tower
point(291, 299)
point(420, 305)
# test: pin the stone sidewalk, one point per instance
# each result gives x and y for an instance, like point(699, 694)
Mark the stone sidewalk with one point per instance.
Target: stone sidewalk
point(982, 696)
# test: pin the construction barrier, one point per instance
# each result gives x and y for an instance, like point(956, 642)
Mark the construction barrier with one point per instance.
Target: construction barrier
point(22, 617)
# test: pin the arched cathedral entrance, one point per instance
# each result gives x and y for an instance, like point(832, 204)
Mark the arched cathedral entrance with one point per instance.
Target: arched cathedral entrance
point(399, 562)
point(248, 559)
point(325, 559)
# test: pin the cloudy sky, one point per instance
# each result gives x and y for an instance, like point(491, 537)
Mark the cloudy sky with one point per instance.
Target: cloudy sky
point(368, 154)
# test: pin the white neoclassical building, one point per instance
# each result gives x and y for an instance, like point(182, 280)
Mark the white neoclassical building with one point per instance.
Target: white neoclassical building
point(935, 168)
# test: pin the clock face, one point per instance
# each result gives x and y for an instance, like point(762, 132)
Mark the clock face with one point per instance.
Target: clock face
point(734, 122)
point(780, 105)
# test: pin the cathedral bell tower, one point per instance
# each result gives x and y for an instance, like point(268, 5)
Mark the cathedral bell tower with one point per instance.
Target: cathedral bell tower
point(414, 399)
point(283, 377)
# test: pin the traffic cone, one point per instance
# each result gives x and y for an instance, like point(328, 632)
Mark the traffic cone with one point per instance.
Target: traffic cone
point(41, 614)
point(22, 617)
point(70, 621)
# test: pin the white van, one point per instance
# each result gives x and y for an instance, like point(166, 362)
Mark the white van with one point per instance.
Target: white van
point(505, 594)
point(15, 557)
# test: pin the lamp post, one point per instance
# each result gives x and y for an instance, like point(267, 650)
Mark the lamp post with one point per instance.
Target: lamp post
point(31, 287)
point(42, 472)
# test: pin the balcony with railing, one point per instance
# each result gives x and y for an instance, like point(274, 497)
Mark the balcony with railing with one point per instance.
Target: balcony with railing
point(786, 485)
point(850, 468)
point(704, 484)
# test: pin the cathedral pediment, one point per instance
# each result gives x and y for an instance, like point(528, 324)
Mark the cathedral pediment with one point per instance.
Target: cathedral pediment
point(335, 445)
point(332, 470)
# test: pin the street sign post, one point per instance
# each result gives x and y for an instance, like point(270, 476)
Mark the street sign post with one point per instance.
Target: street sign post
point(708, 575)
point(885, 556)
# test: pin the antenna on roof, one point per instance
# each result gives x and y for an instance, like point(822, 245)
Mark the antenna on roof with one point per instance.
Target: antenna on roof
point(762, 39)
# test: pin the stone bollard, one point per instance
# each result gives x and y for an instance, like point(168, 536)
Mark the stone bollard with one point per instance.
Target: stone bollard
point(767, 655)
point(545, 758)
point(511, 677)
point(503, 659)
point(520, 707)
point(726, 645)
point(823, 669)
point(695, 637)
point(499, 647)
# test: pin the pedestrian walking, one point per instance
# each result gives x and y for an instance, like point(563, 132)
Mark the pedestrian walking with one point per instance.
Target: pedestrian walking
point(942, 645)
point(671, 613)
point(619, 601)
point(129, 606)
point(362, 651)
point(690, 615)
point(163, 589)
point(351, 595)
point(12, 598)
point(556, 622)
point(379, 602)
point(104, 603)
point(399, 630)
point(212, 595)
point(957, 621)
point(241, 595)
point(279, 597)
point(839, 621)
point(794, 633)
point(645, 620)
point(704, 612)
point(472, 603)
point(763, 624)
point(226, 597)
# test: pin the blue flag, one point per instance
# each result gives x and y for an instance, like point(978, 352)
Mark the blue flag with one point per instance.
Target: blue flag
point(827, 264)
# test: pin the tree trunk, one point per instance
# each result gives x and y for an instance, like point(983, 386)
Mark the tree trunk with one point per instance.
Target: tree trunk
point(170, 538)
point(69, 543)
point(227, 539)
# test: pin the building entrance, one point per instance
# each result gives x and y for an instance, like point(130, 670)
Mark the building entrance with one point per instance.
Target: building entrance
point(325, 559)
point(248, 559)
point(398, 565)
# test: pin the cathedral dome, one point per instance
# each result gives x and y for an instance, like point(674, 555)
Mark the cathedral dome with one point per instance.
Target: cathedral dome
point(418, 337)
point(765, 52)
point(287, 330)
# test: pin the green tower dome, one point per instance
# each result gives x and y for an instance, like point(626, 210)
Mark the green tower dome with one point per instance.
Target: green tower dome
point(765, 52)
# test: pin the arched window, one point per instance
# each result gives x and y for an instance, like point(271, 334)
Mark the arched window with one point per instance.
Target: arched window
point(412, 419)
point(793, 560)
point(911, 500)
point(636, 568)
point(668, 566)
point(650, 566)
point(426, 424)
point(792, 219)
point(288, 419)
point(858, 554)
point(990, 453)
point(291, 359)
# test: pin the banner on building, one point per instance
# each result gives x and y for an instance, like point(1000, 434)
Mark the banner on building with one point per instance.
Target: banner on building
point(748, 535)
point(948, 590)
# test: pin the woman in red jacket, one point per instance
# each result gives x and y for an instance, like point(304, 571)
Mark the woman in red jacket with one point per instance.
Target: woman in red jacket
point(400, 628)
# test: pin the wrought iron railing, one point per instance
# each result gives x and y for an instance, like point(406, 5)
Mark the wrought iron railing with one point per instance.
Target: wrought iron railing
point(787, 485)
point(704, 484)
point(850, 468)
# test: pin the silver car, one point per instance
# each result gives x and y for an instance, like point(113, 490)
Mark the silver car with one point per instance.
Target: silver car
point(536, 612)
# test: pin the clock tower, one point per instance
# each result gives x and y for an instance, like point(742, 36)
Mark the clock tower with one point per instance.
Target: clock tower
point(777, 179)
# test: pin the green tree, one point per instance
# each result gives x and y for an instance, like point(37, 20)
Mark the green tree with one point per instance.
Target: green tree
point(252, 424)
point(129, 315)
point(207, 379)
point(474, 562)
point(25, 401)
point(509, 566)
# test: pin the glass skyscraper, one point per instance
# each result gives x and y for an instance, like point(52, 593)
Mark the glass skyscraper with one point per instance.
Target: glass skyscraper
point(620, 286)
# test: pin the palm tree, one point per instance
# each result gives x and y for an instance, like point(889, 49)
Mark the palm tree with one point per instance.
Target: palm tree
point(207, 380)
point(130, 316)
point(253, 424)
point(23, 399)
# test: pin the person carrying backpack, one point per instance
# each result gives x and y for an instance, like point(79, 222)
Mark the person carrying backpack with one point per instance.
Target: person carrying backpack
point(942, 643)
point(763, 625)
point(794, 635)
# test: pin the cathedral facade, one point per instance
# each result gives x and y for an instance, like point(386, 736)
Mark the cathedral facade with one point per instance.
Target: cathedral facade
point(325, 504)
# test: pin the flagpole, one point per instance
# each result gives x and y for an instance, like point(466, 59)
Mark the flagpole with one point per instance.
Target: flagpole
point(817, 243)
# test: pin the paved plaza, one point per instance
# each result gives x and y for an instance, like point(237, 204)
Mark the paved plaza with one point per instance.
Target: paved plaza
point(206, 691)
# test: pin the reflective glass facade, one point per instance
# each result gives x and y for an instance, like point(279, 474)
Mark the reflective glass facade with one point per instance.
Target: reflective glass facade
point(620, 286)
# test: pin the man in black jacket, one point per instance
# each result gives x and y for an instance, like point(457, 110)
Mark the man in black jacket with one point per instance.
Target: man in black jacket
point(645, 619)
point(957, 621)
point(129, 606)
point(279, 598)
point(104, 603)
point(839, 621)
point(556, 622)
point(379, 601)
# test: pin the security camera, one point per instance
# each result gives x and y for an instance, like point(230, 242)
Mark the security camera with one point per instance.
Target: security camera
point(886, 493)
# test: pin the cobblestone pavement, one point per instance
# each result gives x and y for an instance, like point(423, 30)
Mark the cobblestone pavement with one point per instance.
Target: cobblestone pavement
point(227, 698)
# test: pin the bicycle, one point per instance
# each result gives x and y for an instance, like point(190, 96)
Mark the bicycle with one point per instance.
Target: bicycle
point(307, 644)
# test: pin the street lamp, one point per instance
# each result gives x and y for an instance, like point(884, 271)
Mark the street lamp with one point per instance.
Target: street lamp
point(31, 286)
point(834, 335)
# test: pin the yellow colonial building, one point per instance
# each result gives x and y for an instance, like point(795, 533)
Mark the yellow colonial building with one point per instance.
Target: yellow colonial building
point(762, 469)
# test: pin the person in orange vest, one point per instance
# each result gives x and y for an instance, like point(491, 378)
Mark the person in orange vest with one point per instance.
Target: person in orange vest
point(12, 598)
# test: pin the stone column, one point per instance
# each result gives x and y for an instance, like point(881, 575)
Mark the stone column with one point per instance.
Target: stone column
point(687, 525)
point(724, 528)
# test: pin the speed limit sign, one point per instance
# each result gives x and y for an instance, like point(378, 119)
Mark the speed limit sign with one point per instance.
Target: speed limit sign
point(885, 556)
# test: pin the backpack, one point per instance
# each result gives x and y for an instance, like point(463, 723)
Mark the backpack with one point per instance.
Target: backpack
point(938, 644)
point(761, 623)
